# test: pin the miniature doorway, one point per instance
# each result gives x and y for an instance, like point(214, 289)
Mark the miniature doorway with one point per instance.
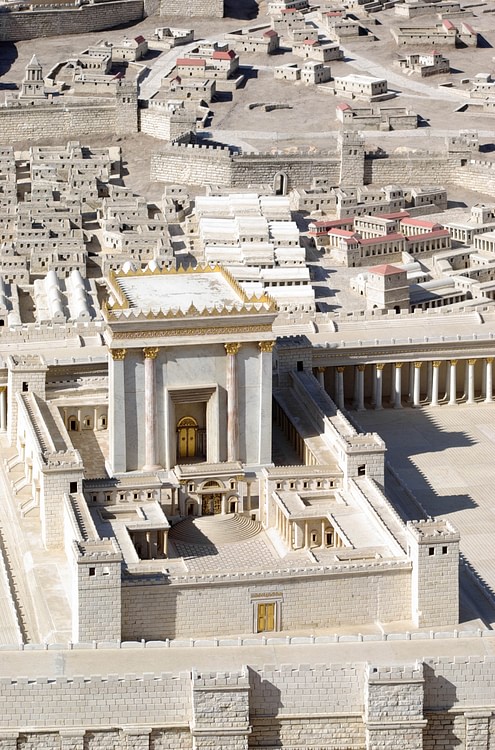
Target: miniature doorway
point(211, 505)
point(265, 620)
point(280, 183)
point(187, 428)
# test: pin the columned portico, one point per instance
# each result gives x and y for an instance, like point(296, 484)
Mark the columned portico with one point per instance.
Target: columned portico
point(232, 415)
point(116, 411)
point(150, 354)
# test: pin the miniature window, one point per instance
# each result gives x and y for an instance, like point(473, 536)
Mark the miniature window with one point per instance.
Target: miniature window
point(444, 550)
point(431, 550)
point(191, 486)
point(279, 485)
point(25, 387)
point(72, 487)
point(92, 571)
point(361, 471)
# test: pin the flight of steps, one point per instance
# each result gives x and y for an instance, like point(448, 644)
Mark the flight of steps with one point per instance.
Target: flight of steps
point(215, 530)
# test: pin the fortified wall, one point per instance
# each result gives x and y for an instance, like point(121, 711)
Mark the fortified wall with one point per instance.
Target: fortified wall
point(66, 120)
point(365, 706)
point(350, 165)
point(31, 24)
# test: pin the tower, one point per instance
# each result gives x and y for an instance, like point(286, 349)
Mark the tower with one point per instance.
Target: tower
point(33, 86)
point(351, 151)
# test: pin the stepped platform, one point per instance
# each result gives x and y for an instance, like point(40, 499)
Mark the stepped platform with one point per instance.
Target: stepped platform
point(215, 530)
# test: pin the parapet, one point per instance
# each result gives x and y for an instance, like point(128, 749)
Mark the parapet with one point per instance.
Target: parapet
point(433, 530)
point(396, 673)
point(97, 550)
point(25, 362)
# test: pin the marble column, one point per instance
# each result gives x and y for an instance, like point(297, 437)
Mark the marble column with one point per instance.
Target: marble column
point(453, 382)
point(434, 382)
point(265, 406)
point(321, 376)
point(417, 383)
point(359, 388)
point(150, 354)
point(232, 410)
point(470, 382)
point(410, 394)
point(429, 380)
point(339, 387)
point(379, 385)
point(117, 412)
point(398, 385)
point(3, 408)
point(488, 380)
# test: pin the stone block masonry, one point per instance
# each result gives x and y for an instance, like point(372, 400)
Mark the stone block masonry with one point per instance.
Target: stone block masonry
point(423, 704)
point(16, 26)
point(192, 8)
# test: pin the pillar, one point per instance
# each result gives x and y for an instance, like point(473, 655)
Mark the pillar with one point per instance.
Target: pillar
point(116, 412)
point(339, 387)
point(429, 380)
point(411, 381)
point(453, 381)
point(488, 379)
point(359, 388)
point(321, 376)
point(478, 730)
point(434, 382)
point(3, 408)
point(150, 354)
point(232, 410)
point(398, 385)
point(378, 385)
point(417, 383)
point(265, 397)
point(470, 381)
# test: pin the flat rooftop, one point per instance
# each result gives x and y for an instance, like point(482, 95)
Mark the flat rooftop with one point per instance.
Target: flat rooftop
point(203, 289)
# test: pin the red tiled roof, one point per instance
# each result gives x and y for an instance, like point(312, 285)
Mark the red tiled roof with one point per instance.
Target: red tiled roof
point(191, 61)
point(383, 238)
point(412, 222)
point(139, 39)
point(448, 25)
point(218, 55)
point(386, 270)
point(428, 235)
point(343, 106)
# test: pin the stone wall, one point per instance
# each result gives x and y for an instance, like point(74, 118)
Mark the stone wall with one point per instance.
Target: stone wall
point(19, 25)
point(298, 169)
point(190, 164)
point(423, 704)
point(191, 8)
point(54, 120)
point(411, 169)
point(351, 593)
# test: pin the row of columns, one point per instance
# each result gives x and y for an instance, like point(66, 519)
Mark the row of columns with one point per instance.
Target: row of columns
point(414, 395)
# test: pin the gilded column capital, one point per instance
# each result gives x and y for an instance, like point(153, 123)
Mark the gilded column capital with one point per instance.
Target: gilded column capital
point(150, 352)
point(340, 369)
point(453, 362)
point(265, 346)
point(398, 365)
point(118, 354)
point(232, 348)
point(437, 362)
point(361, 368)
point(321, 369)
point(488, 360)
point(471, 362)
point(380, 365)
point(418, 364)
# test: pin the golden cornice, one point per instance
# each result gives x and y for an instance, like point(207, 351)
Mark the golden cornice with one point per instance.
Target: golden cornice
point(223, 330)
point(252, 304)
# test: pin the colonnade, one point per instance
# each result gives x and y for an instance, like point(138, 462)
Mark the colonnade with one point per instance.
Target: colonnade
point(413, 388)
point(305, 533)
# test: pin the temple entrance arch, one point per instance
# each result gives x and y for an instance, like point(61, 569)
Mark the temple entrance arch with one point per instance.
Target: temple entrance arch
point(212, 493)
point(187, 428)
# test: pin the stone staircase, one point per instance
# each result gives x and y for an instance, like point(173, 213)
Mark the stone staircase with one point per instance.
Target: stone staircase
point(215, 530)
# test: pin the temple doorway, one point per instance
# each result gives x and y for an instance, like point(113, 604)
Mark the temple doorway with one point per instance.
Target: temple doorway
point(187, 428)
point(211, 505)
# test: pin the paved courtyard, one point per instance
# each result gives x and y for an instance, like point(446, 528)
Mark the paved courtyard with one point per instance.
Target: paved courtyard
point(446, 456)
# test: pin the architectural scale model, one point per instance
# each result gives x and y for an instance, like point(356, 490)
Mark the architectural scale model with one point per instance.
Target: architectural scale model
point(247, 334)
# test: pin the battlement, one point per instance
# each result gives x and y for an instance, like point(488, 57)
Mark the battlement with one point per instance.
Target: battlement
point(433, 531)
point(220, 680)
point(97, 550)
point(396, 673)
point(204, 148)
point(26, 362)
